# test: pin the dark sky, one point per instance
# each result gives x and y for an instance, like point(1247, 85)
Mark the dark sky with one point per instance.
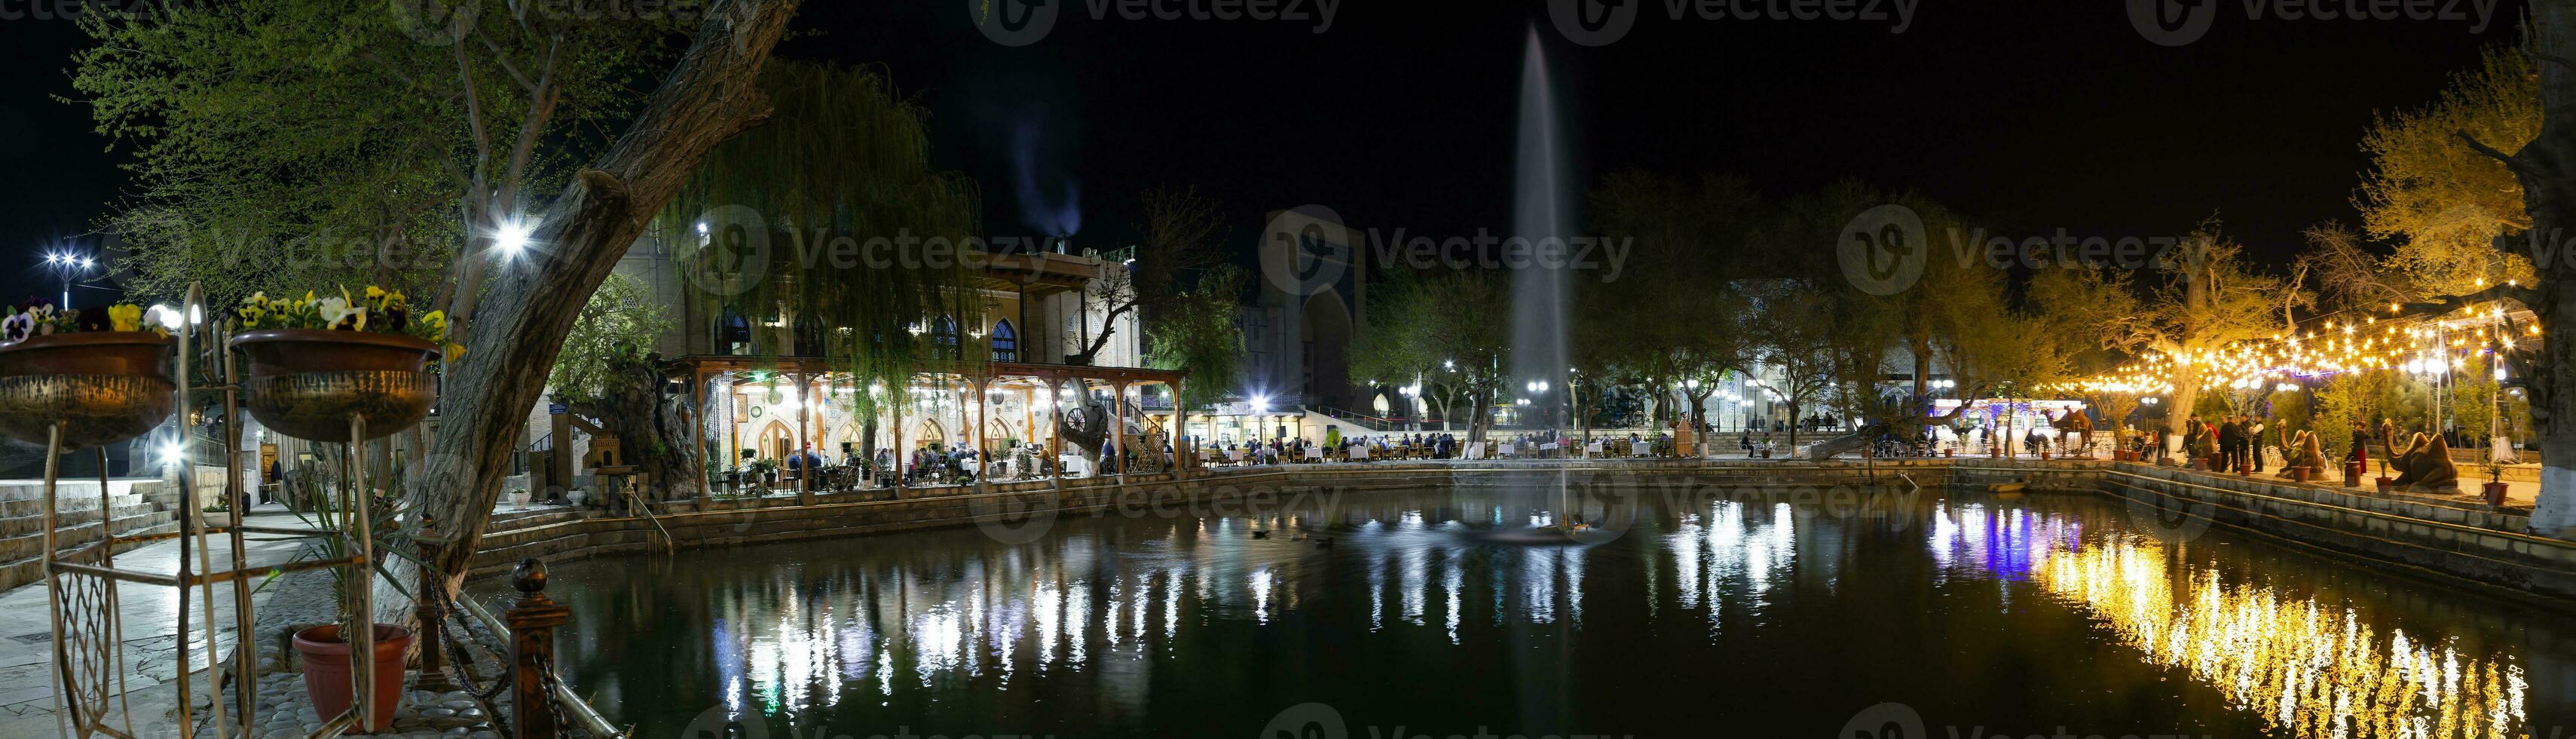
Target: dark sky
point(2033, 116)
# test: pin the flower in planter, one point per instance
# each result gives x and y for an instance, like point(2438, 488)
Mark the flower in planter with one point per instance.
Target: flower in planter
point(253, 310)
point(125, 317)
point(36, 317)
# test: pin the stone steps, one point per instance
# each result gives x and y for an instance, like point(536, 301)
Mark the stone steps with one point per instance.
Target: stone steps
point(71, 534)
point(31, 569)
point(133, 507)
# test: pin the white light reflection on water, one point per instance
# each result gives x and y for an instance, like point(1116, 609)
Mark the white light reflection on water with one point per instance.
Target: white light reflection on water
point(1087, 603)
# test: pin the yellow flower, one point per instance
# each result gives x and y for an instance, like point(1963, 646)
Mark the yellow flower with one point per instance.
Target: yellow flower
point(432, 325)
point(455, 352)
point(125, 317)
point(375, 293)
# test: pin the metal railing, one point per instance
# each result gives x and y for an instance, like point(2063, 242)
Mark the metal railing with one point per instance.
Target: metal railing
point(669, 546)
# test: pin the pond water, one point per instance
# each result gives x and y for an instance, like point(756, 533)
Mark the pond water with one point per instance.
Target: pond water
point(1764, 612)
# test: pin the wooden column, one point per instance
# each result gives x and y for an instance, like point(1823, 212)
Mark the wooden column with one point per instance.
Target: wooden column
point(1185, 456)
point(902, 456)
point(432, 612)
point(1118, 427)
point(983, 452)
point(804, 467)
point(1055, 430)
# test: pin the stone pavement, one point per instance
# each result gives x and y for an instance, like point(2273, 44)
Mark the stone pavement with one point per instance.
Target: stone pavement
point(149, 620)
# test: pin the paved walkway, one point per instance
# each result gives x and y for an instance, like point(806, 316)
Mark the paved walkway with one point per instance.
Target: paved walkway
point(149, 618)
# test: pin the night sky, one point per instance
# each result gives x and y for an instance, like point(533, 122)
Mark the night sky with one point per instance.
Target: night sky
point(2031, 116)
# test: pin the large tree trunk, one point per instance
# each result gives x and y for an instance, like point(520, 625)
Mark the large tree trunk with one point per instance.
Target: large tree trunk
point(658, 437)
point(2547, 170)
point(710, 96)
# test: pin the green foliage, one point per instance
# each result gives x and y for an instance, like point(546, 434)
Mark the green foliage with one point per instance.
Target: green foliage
point(1678, 232)
point(2442, 201)
point(1451, 329)
point(620, 323)
point(290, 143)
point(1198, 334)
point(842, 168)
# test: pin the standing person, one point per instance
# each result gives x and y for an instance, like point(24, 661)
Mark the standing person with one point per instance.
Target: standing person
point(2226, 443)
point(2254, 437)
point(2360, 444)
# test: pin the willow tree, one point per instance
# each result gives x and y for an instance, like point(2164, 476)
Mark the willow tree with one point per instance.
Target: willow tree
point(831, 222)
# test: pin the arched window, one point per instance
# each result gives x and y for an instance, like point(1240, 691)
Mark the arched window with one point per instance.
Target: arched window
point(943, 339)
point(1006, 342)
point(809, 337)
point(733, 333)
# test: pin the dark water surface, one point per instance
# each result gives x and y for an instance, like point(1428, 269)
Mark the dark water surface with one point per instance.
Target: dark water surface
point(1749, 613)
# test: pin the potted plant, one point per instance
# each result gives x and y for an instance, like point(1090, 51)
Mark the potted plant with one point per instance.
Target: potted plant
point(313, 363)
point(519, 498)
point(2301, 473)
point(767, 469)
point(2494, 486)
point(324, 651)
point(101, 370)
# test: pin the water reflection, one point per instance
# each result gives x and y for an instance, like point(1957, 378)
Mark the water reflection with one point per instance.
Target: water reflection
point(2316, 669)
point(1387, 605)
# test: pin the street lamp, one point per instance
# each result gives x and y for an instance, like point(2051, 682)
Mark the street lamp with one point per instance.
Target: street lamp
point(67, 267)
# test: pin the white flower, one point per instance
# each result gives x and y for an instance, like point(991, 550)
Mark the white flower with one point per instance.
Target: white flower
point(337, 313)
point(17, 327)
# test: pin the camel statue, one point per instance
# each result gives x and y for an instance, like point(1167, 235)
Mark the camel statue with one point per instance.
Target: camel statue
point(2075, 424)
point(2303, 452)
point(2424, 466)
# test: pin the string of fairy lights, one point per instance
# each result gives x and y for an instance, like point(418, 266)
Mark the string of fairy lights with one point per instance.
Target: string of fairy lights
point(2436, 346)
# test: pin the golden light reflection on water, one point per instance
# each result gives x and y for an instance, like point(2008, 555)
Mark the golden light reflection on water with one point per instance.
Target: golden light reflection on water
point(2308, 668)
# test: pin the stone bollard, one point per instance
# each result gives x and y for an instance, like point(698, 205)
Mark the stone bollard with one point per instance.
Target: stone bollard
point(532, 653)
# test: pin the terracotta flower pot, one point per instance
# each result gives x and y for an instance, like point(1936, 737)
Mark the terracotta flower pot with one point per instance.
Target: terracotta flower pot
point(2385, 483)
point(326, 672)
point(107, 386)
point(2299, 474)
point(307, 383)
point(2494, 492)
